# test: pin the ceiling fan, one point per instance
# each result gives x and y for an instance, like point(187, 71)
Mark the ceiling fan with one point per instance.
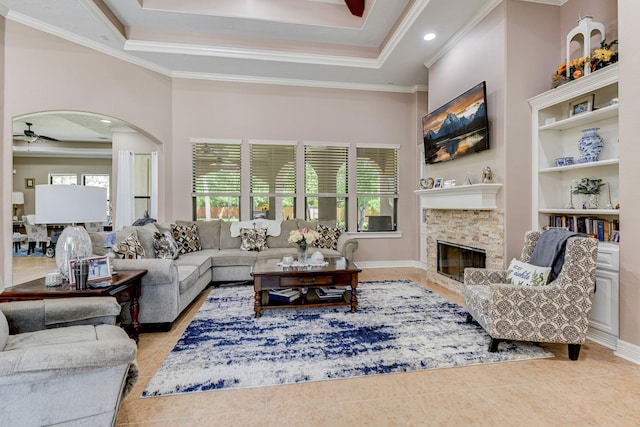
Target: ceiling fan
point(31, 136)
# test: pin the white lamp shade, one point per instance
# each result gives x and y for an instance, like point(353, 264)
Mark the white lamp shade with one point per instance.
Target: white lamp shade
point(17, 198)
point(66, 204)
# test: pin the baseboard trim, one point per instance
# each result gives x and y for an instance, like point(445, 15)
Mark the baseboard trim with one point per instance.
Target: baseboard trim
point(628, 351)
point(391, 264)
point(607, 340)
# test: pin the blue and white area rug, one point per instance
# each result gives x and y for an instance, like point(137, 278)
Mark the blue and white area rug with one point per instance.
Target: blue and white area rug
point(399, 327)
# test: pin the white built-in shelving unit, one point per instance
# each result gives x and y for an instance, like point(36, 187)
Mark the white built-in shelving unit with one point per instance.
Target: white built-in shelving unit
point(555, 133)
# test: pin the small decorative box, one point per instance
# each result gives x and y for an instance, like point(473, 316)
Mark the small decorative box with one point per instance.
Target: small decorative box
point(53, 278)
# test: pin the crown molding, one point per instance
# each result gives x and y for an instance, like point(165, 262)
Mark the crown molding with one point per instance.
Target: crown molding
point(320, 59)
point(74, 38)
point(100, 15)
point(488, 7)
point(48, 151)
point(295, 82)
point(252, 54)
point(401, 31)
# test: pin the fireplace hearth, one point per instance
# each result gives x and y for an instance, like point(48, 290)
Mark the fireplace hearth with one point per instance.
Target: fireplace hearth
point(454, 258)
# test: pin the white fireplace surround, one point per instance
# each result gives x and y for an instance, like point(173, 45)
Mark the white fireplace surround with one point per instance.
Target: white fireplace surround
point(468, 197)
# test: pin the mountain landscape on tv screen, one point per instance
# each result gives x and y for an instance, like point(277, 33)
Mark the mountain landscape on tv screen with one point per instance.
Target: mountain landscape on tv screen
point(457, 128)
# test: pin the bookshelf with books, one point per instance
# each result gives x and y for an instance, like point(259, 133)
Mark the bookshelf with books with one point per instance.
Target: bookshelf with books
point(559, 166)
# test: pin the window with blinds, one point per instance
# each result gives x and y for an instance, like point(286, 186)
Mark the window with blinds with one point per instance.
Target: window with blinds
point(216, 180)
point(326, 184)
point(377, 188)
point(273, 180)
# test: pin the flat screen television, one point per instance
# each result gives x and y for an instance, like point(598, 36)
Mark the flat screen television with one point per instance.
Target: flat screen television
point(457, 128)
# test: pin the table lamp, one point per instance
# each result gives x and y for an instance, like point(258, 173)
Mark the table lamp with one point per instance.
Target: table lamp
point(71, 205)
point(17, 198)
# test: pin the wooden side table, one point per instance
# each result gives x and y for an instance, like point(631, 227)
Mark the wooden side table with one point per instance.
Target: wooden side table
point(126, 286)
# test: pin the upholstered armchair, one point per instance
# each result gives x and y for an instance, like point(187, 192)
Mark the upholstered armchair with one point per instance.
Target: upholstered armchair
point(63, 362)
point(554, 313)
point(36, 234)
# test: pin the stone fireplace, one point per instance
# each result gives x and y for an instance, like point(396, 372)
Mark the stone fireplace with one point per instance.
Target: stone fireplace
point(476, 229)
point(466, 216)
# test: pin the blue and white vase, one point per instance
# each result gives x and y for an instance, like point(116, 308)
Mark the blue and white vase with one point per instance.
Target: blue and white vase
point(590, 145)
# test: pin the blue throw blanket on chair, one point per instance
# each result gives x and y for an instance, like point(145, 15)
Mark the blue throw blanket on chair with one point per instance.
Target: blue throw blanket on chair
point(549, 251)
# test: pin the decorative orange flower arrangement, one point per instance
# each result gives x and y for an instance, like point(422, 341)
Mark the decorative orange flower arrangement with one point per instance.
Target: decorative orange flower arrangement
point(599, 59)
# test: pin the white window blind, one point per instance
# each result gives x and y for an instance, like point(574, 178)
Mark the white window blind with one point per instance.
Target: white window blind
point(273, 169)
point(216, 168)
point(326, 170)
point(377, 171)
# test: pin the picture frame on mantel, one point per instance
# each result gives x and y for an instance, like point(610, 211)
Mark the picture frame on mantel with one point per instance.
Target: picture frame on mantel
point(581, 105)
point(438, 183)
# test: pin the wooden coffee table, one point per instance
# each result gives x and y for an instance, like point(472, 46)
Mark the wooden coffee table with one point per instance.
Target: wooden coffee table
point(125, 286)
point(268, 275)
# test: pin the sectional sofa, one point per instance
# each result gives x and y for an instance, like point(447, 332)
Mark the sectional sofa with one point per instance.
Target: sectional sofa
point(214, 256)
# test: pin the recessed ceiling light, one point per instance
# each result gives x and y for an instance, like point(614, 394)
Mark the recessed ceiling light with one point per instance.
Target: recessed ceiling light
point(105, 121)
point(429, 36)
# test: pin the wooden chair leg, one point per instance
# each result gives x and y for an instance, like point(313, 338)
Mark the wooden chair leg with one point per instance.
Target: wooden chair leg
point(493, 345)
point(574, 351)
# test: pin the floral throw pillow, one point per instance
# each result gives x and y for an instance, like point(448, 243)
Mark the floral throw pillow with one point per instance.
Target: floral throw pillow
point(164, 246)
point(253, 239)
point(129, 248)
point(328, 236)
point(186, 236)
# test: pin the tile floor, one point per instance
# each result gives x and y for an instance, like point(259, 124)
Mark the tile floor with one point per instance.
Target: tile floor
point(599, 389)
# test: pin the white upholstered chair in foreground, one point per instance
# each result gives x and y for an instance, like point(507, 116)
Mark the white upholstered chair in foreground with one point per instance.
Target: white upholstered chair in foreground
point(554, 313)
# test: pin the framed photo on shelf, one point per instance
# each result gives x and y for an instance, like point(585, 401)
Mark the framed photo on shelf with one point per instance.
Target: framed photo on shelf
point(438, 183)
point(581, 105)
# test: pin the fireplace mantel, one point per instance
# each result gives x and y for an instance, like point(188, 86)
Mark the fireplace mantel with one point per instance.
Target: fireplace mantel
point(464, 197)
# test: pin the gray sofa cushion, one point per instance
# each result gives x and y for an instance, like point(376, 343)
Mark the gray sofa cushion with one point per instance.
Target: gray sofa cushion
point(97, 240)
point(226, 241)
point(188, 275)
point(200, 259)
point(208, 231)
point(88, 346)
point(230, 257)
point(286, 227)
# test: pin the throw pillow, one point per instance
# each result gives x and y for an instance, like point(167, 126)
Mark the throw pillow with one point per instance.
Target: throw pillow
point(186, 236)
point(129, 248)
point(521, 273)
point(328, 236)
point(164, 246)
point(253, 239)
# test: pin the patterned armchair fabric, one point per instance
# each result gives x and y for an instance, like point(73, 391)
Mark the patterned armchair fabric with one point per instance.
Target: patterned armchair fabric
point(557, 313)
point(36, 234)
